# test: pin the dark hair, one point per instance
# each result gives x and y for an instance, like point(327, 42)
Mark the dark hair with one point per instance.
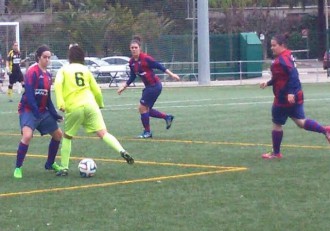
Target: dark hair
point(76, 55)
point(136, 39)
point(39, 51)
point(281, 39)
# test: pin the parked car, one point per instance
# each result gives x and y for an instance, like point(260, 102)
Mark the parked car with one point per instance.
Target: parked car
point(326, 62)
point(103, 71)
point(31, 57)
point(55, 65)
point(117, 60)
point(94, 64)
point(53, 68)
point(120, 63)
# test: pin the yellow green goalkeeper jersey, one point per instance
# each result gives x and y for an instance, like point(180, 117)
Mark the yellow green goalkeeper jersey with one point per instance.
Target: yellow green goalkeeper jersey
point(76, 86)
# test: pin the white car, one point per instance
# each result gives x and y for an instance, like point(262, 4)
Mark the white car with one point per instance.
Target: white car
point(55, 65)
point(117, 60)
point(119, 63)
point(105, 72)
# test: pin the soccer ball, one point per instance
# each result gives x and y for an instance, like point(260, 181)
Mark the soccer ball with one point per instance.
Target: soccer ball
point(87, 167)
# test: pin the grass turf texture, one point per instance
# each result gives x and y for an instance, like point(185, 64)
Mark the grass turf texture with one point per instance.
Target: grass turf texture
point(205, 173)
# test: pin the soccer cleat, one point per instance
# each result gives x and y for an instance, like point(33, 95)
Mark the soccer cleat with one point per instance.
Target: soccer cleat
point(145, 135)
point(56, 167)
point(18, 173)
point(127, 157)
point(169, 119)
point(62, 172)
point(271, 155)
point(327, 134)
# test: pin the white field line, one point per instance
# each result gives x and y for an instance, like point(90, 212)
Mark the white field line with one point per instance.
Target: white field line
point(121, 107)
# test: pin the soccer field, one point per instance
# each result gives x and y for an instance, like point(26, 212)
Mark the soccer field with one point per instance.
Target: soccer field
point(203, 174)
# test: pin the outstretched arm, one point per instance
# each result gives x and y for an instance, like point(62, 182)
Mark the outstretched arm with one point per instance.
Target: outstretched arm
point(173, 75)
point(131, 79)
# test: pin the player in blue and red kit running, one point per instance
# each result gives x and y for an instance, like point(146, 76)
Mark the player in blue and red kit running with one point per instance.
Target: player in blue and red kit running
point(142, 65)
point(288, 96)
point(36, 111)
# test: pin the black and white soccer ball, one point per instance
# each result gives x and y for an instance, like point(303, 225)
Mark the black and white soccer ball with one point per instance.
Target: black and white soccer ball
point(87, 167)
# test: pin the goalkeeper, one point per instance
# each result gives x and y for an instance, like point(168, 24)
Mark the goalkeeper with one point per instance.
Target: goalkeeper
point(79, 96)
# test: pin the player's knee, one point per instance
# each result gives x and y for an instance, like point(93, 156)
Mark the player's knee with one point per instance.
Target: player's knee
point(143, 109)
point(101, 133)
point(300, 123)
point(26, 138)
point(58, 135)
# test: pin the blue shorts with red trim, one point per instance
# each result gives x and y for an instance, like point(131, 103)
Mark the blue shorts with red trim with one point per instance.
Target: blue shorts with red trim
point(150, 95)
point(281, 114)
point(45, 125)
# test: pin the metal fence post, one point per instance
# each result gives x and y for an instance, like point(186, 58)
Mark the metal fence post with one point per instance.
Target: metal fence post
point(240, 71)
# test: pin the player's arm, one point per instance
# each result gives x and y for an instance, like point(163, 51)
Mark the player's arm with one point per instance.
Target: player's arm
point(270, 82)
point(173, 76)
point(52, 109)
point(156, 65)
point(30, 80)
point(58, 86)
point(292, 85)
point(96, 90)
point(131, 79)
point(8, 60)
point(288, 66)
point(266, 84)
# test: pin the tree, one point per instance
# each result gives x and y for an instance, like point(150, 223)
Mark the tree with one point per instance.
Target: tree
point(99, 32)
point(19, 6)
point(119, 31)
point(233, 20)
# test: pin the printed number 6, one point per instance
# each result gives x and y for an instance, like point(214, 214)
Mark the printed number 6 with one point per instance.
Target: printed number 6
point(79, 79)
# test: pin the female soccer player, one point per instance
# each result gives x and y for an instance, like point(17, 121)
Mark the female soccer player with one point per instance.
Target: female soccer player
point(13, 68)
point(289, 99)
point(80, 97)
point(36, 111)
point(142, 65)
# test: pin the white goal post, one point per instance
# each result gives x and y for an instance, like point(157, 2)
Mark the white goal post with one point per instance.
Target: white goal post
point(16, 25)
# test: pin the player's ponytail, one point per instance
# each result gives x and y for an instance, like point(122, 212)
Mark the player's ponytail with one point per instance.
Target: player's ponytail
point(136, 39)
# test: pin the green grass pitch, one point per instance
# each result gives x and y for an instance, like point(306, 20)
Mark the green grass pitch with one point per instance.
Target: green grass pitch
point(203, 174)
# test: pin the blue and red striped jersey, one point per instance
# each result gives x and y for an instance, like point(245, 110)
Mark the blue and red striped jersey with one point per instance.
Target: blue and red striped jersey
point(143, 67)
point(285, 80)
point(37, 95)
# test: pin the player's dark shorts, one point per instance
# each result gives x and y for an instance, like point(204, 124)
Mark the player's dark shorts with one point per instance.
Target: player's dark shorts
point(46, 125)
point(16, 76)
point(150, 95)
point(281, 114)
